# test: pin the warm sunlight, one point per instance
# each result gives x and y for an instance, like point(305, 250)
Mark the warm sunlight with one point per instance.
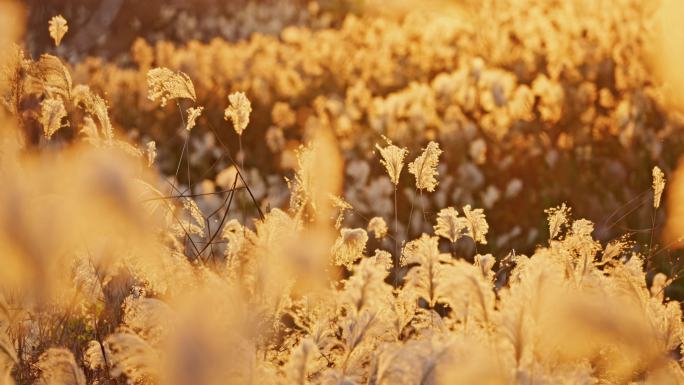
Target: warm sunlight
point(341, 192)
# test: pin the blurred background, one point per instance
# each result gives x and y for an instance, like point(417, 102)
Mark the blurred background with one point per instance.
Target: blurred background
point(534, 103)
point(108, 28)
point(139, 248)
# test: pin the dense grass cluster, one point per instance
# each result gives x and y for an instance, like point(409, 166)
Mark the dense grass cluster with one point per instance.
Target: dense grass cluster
point(520, 92)
point(344, 205)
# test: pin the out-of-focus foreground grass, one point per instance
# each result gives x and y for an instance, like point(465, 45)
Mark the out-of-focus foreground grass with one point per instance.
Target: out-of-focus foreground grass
point(341, 192)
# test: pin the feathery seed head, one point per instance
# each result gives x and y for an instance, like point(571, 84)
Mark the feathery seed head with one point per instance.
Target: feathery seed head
point(164, 84)
point(450, 225)
point(58, 28)
point(393, 160)
point(349, 246)
point(477, 226)
point(193, 114)
point(424, 167)
point(378, 227)
point(238, 111)
point(558, 217)
point(151, 150)
point(52, 112)
point(658, 185)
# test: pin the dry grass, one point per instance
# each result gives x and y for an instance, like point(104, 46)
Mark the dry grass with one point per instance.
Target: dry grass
point(122, 262)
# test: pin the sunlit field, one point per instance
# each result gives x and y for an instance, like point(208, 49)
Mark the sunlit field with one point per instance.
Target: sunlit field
point(341, 192)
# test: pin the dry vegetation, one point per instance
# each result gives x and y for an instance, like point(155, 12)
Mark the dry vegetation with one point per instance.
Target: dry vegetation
point(314, 206)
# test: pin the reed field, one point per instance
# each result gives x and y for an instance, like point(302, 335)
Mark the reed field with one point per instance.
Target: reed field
point(341, 192)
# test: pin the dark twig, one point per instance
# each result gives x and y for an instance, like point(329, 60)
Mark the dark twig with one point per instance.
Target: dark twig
point(256, 204)
point(192, 195)
point(223, 219)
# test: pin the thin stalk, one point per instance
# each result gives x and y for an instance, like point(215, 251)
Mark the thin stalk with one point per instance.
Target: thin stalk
point(422, 208)
point(413, 202)
point(241, 159)
point(650, 242)
point(396, 240)
point(223, 218)
point(180, 161)
point(251, 195)
point(241, 155)
point(185, 145)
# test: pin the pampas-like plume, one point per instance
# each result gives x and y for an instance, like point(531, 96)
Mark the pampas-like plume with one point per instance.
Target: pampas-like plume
point(450, 225)
point(193, 114)
point(378, 227)
point(164, 85)
point(477, 226)
point(94, 356)
point(58, 28)
point(94, 105)
point(426, 278)
point(393, 160)
point(238, 111)
point(658, 185)
point(52, 76)
point(424, 167)
point(303, 359)
point(58, 367)
point(558, 217)
point(131, 356)
point(52, 112)
point(151, 151)
point(349, 246)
